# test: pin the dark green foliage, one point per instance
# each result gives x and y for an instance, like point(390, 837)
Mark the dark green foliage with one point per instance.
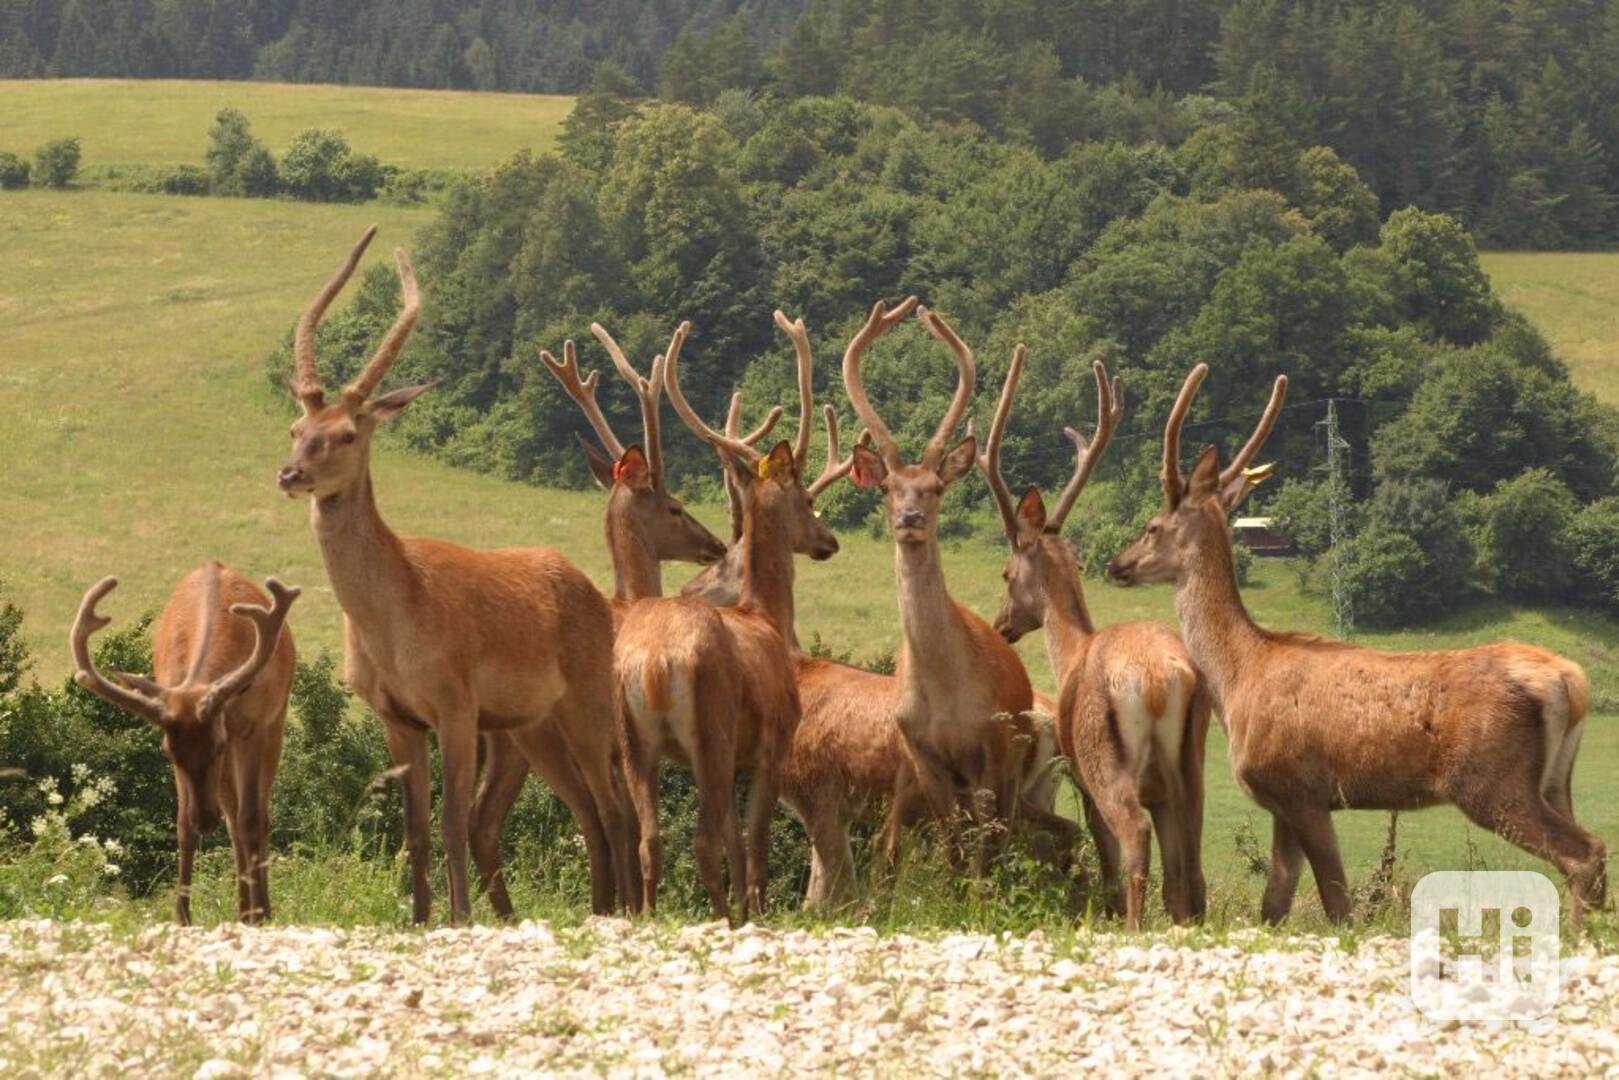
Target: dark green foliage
point(1524, 547)
point(320, 166)
point(1593, 539)
point(1379, 571)
point(238, 164)
point(13, 172)
point(14, 660)
point(57, 163)
point(1302, 510)
point(1425, 511)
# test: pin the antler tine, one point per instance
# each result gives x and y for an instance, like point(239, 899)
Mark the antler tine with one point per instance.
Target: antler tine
point(1170, 473)
point(87, 622)
point(583, 392)
point(267, 624)
point(1267, 421)
point(1109, 411)
point(966, 376)
point(718, 440)
point(990, 460)
point(733, 428)
point(806, 385)
point(366, 383)
point(648, 392)
point(836, 468)
point(878, 323)
point(306, 384)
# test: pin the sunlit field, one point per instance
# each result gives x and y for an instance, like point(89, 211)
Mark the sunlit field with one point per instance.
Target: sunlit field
point(1573, 298)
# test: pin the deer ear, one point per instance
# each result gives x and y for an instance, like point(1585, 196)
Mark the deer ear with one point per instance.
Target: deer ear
point(393, 403)
point(869, 470)
point(1244, 482)
point(601, 466)
point(779, 465)
point(1205, 481)
point(633, 471)
point(1031, 515)
point(960, 461)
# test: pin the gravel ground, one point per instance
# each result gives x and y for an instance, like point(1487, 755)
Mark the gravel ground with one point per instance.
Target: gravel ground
point(609, 997)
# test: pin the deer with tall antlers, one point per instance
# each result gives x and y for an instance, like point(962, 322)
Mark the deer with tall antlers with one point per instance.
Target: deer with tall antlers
point(1133, 714)
point(713, 687)
point(1318, 725)
point(955, 673)
point(645, 526)
point(222, 664)
point(446, 639)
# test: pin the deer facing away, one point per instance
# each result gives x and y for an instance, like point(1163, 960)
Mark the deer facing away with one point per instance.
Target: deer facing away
point(452, 640)
point(1318, 725)
point(222, 664)
point(1133, 714)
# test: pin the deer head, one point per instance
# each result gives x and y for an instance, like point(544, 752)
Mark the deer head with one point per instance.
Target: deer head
point(331, 441)
point(1195, 511)
point(638, 500)
point(191, 716)
point(911, 493)
point(768, 485)
point(721, 584)
point(1040, 553)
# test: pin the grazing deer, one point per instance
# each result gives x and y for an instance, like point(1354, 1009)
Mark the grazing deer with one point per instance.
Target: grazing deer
point(1133, 714)
point(714, 687)
point(955, 672)
point(218, 693)
point(443, 638)
point(1318, 725)
point(645, 526)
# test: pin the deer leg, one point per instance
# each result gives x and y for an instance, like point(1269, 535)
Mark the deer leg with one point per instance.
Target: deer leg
point(504, 772)
point(593, 733)
point(718, 836)
point(829, 836)
point(1286, 860)
point(187, 837)
point(541, 746)
point(1166, 823)
point(1107, 856)
point(1127, 822)
point(641, 771)
point(1540, 829)
point(1315, 833)
point(458, 749)
point(761, 805)
point(1193, 748)
point(249, 824)
point(407, 745)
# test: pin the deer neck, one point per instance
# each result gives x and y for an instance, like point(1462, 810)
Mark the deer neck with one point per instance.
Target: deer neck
point(1217, 629)
point(365, 560)
point(637, 574)
point(767, 573)
point(935, 643)
point(1068, 627)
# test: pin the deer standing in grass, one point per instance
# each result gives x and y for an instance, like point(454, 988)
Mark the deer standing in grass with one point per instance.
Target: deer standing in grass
point(713, 687)
point(645, 525)
point(1318, 725)
point(222, 664)
point(955, 673)
point(446, 639)
point(1133, 714)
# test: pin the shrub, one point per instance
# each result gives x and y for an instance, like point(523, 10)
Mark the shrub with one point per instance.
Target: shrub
point(1524, 546)
point(14, 659)
point(1382, 575)
point(57, 162)
point(13, 172)
point(320, 167)
point(1303, 514)
point(1593, 539)
point(184, 180)
point(1425, 511)
point(238, 164)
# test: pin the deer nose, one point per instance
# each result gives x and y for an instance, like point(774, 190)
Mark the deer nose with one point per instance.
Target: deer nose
point(909, 519)
point(1118, 571)
point(289, 477)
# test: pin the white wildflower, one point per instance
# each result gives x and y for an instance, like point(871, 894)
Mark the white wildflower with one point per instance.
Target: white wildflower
point(111, 869)
point(54, 798)
point(59, 879)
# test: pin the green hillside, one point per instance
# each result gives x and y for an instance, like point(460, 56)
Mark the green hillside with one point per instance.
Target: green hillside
point(165, 122)
point(1573, 298)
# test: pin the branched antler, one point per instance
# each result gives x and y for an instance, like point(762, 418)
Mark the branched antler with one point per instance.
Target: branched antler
point(87, 622)
point(1109, 411)
point(878, 323)
point(267, 624)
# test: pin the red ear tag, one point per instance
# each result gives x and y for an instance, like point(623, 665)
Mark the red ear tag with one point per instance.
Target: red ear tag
point(618, 471)
point(861, 478)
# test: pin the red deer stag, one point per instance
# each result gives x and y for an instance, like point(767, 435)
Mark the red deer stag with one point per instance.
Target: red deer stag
point(222, 662)
point(1133, 714)
point(645, 526)
point(955, 673)
point(1318, 725)
point(443, 638)
point(714, 686)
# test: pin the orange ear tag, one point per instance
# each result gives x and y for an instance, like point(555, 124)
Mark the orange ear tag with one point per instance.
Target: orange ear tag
point(764, 468)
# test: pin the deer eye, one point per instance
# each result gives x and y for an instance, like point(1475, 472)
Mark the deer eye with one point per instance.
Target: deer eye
point(346, 438)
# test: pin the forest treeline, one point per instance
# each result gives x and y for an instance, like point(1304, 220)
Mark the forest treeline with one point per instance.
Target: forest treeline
point(1498, 111)
point(1472, 452)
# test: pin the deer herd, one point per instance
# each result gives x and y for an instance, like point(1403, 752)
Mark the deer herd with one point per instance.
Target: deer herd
point(515, 660)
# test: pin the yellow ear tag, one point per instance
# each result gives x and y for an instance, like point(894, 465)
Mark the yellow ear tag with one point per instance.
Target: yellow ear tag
point(764, 468)
point(1258, 474)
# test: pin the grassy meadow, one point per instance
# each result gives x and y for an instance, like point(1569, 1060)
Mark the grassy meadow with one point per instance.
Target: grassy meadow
point(140, 437)
point(166, 122)
point(1573, 298)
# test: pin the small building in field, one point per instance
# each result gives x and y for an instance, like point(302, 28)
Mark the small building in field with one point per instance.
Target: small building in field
point(1259, 535)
